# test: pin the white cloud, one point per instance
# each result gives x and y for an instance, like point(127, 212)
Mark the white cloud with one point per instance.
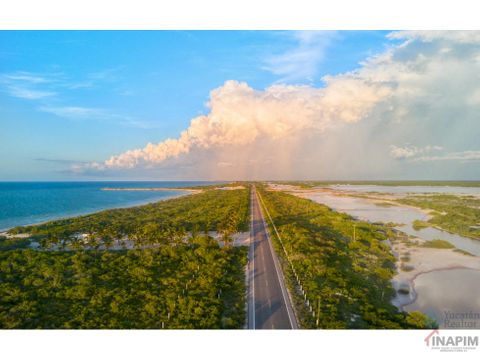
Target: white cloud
point(403, 152)
point(94, 79)
point(46, 89)
point(81, 113)
point(469, 155)
point(414, 93)
point(24, 85)
point(27, 77)
point(29, 94)
point(465, 37)
point(301, 61)
point(240, 115)
point(73, 111)
point(35, 86)
point(410, 151)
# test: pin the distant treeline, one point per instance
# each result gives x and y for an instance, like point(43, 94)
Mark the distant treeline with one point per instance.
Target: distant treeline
point(313, 183)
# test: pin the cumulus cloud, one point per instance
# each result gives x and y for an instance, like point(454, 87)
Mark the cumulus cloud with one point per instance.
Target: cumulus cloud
point(240, 115)
point(421, 91)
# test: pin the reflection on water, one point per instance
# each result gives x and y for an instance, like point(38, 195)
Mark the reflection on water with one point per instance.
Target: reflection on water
point(410, 189)
point(438, 292)
point(452, 291)
point(367, 210)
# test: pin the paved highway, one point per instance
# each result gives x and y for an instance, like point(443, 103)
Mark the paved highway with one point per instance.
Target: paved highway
point(269, 305)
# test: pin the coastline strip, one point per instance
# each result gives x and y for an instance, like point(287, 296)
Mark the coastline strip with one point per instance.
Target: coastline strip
point(193, 191)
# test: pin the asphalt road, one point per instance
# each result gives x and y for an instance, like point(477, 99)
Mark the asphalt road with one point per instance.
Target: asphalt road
point(269, 305)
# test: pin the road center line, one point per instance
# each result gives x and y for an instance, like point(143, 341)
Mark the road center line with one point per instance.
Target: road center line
point(283, 290)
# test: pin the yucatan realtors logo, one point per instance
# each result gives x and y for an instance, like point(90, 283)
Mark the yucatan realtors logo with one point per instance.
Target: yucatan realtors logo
point(449, 343)
point(461, 320)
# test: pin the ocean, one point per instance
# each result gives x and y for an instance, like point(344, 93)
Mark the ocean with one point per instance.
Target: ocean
point(24, 203)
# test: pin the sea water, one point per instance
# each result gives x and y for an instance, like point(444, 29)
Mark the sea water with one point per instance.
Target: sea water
point(23, 203)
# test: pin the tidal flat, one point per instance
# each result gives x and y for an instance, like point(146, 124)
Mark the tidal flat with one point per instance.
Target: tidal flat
point(416, 263)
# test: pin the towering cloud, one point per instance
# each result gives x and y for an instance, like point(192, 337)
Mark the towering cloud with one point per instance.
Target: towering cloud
point(241, 115)
point(410, 94)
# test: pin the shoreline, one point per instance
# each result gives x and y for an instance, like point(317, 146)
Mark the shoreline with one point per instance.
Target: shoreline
point(4, 231)
point(412, 281)
point(423, 260)
point(190, 190)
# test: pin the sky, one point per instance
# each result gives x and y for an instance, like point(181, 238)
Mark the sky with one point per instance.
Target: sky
point(226, 105)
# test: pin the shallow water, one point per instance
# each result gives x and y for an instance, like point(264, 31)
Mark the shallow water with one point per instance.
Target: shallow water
point(453, 291)
point(410, 189)
point(438, 292)
point(367, 210)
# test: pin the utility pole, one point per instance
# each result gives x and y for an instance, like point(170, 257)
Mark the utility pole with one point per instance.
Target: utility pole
point(318, 311)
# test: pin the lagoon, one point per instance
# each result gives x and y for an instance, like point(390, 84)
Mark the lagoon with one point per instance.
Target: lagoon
point(414, 189)
point(448, 294)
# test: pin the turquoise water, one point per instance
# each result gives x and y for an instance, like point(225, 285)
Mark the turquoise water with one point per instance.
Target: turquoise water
point(23, 203)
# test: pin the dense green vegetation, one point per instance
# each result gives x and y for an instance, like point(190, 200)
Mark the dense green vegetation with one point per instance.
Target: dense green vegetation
point(419, 225)
point(168, 280)
point(13, 243)
point(348, 282)
point(225, 211)
point(313, 183)
point(457, 214)
point(438, 244)
point(196, 285)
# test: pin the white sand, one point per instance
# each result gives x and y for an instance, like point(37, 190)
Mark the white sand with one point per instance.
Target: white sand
point(11, 236)
point(239, 239)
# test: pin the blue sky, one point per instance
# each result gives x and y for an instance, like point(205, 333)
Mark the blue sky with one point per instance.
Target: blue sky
point(239, 105)
point(84, 95)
